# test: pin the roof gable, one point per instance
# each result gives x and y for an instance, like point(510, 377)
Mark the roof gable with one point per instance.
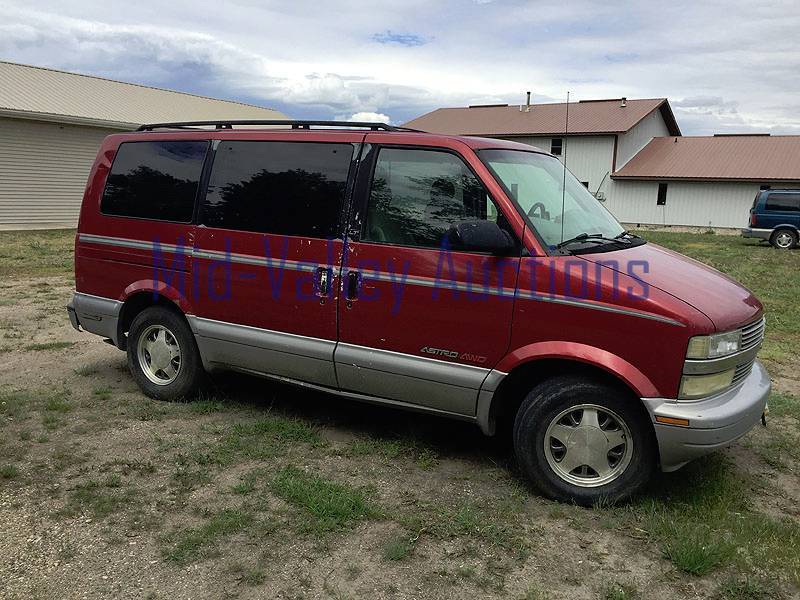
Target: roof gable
point(585, 118)
point(59, 95)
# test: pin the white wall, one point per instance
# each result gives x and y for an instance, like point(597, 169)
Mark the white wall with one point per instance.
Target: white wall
point(699, 204)
point(43, 170)
point(638, 137)
point(589, 157)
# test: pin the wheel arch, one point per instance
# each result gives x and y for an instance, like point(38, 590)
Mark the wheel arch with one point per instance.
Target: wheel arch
point(534, 365)
point(138, 298)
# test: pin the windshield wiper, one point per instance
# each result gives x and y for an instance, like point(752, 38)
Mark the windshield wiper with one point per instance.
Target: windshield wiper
point(591, 237)
point(626, 235)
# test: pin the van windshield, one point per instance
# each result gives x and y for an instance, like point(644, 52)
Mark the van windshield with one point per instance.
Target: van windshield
point(535, 182)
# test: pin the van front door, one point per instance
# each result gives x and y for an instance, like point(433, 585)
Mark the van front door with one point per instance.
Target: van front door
point(420, 321)
point(268, 252)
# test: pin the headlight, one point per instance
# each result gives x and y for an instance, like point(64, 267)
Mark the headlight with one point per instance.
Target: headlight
point(700, 386)
point(714, 346)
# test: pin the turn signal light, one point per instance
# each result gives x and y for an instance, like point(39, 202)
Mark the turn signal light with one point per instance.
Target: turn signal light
point(673, 421)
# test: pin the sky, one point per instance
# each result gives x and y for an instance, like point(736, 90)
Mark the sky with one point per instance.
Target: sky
point(726, 67)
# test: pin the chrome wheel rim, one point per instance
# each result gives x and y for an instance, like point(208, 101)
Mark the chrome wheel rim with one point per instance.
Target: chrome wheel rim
point(588, 445)
point(783, 240)
point(159, 355)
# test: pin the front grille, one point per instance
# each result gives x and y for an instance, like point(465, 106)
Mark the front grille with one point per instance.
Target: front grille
point(742, 371)
point(753, 334)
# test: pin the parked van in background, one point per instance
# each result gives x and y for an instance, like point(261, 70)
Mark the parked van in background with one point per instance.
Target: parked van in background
point(464, 277)
point(775, 217)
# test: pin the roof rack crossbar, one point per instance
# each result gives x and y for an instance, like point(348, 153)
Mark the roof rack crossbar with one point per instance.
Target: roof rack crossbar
point(278, 122)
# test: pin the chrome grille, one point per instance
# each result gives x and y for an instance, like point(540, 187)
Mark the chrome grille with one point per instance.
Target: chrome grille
point(753, 334)
point(742, 371)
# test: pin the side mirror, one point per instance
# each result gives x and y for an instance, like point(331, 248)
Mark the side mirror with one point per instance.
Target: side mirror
point(481, 236)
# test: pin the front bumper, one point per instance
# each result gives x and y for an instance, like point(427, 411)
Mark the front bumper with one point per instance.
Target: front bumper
point(762, 234)
point(714, 422)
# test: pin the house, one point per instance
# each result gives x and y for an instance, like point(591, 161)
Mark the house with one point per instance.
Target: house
point(600, 136)
point(52, 123)
point(631, 155)
point(703, 180)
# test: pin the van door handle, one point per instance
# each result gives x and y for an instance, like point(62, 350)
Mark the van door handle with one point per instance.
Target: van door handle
point(353, 284)
point(324, 276)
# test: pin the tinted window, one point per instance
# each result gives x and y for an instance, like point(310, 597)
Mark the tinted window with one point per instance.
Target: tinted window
point(289, 188)
point(556, 145)
point(417, 195)
point(154, 180)
point(783, 202)
point(661, 199)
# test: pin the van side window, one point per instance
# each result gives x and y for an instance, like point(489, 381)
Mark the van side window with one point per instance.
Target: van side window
point(287, 188)
point(417, 195)
point(783, 202)
point(154, 180)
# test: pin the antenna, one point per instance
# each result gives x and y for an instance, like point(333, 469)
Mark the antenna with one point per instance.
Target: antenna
point(564, 180)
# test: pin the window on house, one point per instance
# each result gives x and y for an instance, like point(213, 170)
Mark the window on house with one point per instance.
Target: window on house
point(556, 145)
point(662, 194)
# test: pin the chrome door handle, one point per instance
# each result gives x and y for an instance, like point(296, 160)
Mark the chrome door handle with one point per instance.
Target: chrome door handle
point(323, 281)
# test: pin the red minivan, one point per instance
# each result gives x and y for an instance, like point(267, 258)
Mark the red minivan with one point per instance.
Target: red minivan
point(459, 276)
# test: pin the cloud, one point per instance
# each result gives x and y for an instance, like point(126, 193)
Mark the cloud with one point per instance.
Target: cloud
point(370, 117)
point(483, 53)
point(402, 39)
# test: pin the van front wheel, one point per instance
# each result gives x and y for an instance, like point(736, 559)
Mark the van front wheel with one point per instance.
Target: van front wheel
point(163, 356)
point(584, 442)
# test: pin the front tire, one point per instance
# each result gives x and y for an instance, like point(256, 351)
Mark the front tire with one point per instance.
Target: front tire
point(783, 239)
point(584, 442)
point(163, 356)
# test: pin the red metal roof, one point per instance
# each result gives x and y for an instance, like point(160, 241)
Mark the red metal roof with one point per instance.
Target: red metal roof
point(736, 157)
point(585, 118)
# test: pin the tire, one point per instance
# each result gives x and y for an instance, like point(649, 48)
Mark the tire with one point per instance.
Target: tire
point(783, 239)
point(156, 337)
point(563, 407)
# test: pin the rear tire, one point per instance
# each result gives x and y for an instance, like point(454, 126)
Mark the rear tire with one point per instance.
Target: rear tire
point(163, 356)
point(584, 442)
point(783, 239)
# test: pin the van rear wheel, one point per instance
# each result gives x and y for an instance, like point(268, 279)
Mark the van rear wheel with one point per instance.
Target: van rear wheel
point(584, 442)
point(163, 356)
point(784, 239)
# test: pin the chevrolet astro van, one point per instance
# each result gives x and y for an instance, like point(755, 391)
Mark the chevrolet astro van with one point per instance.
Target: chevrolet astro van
point(457, 276)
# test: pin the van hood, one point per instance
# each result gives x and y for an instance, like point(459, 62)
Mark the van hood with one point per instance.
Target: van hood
point(722, 299)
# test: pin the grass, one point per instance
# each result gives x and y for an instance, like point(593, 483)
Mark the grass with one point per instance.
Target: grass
point(100, 499)
point(36, 253)
point(201, 542)
point(49, 346)
point(702, 520)
point(399, 548)
point(327, 505)
point(8, 472)
point(620, 591)
point(749, 588)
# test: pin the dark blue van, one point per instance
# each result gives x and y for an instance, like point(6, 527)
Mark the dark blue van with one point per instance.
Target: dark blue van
point(775, 217)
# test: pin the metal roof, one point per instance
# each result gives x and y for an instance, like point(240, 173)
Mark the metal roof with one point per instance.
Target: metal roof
point(591, 117)
point(48, 94)
point(710, 158)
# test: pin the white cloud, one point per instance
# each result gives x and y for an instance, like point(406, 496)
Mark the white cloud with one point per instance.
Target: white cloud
point(725, 67)
point(370, 117)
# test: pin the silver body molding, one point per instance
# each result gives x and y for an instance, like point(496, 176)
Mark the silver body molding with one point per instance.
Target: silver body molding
point(761, 234)
point(714, 422)
point(95, 314)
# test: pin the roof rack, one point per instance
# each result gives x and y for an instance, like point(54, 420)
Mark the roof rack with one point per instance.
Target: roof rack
point(284, 122)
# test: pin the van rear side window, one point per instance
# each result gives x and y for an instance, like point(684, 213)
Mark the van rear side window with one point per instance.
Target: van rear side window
point(154, 180)
point(782, 201)
point(287, 188)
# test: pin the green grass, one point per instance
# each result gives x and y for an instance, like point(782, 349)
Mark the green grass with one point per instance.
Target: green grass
point(49, 346)
point(328, 505)
point(36, 253)
point(101, 499)
point(8, 472)
point(102, 393)
point(13, 405)
point(749, 588)
point(702, 520)
point(199, 543)
point(399, 548)
point(620, 591)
